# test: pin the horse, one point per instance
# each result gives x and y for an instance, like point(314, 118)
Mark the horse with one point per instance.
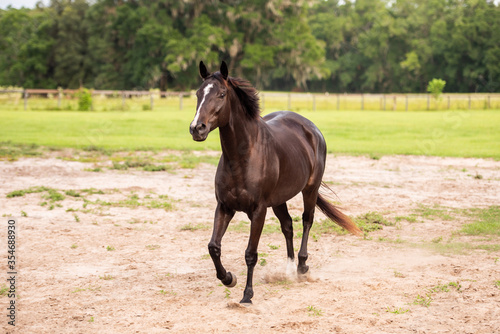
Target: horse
point(265, 162)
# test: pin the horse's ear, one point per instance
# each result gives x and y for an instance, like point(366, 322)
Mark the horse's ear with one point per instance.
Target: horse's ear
point(203, 71)
point(223, 70)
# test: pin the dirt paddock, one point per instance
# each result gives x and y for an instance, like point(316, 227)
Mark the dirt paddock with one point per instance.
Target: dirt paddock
point(126, 252)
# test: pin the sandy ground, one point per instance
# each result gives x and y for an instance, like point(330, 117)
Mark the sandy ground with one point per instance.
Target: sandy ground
point(119, 269)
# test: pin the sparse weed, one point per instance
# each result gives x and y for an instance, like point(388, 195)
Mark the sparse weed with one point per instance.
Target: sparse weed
point(24, 214)
point(110, 248)
point(423, 300)
point(106, 277)
point(398, 310)
point(227, 293)
point(273, 246)
point(313, 311)
point(152, 247)
point(74, 246)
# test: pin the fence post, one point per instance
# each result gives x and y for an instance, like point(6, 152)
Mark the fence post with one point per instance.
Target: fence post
point(338, 101)
point(448, 102)
point(314, 102)
point(289, 101)
point(180, 101)
point(25, 100)
point(428, 102)
point(123, 100)
point(406, 106)
point(362, 102)
point(469, 101)
point(59, 96)
point(395, 103)
point(489, 105)
point(151, 100)
point(384, 102)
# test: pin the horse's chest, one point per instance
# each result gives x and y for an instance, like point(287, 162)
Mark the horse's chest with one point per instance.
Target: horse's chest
point(238, 193)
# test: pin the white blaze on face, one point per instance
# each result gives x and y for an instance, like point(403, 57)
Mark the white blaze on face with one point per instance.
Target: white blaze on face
point(206, 90)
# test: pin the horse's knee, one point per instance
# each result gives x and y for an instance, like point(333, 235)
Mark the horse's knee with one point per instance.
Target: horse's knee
point(214, 250)
point(250, 258)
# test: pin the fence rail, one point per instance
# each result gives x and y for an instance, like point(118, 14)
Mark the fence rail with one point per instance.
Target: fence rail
point(46, 98)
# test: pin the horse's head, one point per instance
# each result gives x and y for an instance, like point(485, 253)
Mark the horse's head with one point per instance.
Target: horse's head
point(211, 111)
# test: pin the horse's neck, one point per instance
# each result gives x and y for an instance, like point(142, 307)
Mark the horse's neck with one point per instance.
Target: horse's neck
point(239, 136)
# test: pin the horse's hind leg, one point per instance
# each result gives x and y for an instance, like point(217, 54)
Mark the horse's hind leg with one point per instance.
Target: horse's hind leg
point(310, 197)
point(222, 218)
point(281, 211)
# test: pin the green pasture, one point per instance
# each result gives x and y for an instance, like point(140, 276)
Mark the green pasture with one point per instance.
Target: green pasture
point(460, 133)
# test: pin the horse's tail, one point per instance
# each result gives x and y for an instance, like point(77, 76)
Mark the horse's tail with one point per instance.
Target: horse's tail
point(338, 217)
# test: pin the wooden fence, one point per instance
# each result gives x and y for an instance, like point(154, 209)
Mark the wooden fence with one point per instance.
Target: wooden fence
point(270, 100)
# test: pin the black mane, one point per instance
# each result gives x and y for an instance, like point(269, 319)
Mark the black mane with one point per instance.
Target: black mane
point(248, 94)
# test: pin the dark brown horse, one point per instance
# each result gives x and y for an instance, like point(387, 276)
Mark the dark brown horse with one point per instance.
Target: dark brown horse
point(265, 162)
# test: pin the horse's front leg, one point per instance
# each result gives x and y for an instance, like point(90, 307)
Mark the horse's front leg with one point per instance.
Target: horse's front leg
point(223, 216)
point(257, 219)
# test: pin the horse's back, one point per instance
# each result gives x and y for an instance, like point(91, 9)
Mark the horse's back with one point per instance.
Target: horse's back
point(293, 130)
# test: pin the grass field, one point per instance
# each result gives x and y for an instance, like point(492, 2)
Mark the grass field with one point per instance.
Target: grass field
point(460, 133)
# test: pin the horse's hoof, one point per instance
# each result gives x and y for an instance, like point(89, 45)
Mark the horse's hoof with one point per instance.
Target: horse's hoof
point(246, 300)
point(233, 281)
point(302, 270)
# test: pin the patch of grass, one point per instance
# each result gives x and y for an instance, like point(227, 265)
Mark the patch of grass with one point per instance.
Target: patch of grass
point(191, 227)
point(152, 247)
point(488, 222)
point(411, 218)
point(74, 246)
point(313, 311)
point(24, 214)
point(157, 168)
point(263, 262)
point(165, 292)
point(372, 221)
point(273, 246)
point(432, 212)
point(354, 132)
point(398, 310)
point(423, 300)
point(4, 290)
point(31, 190)
point(72, 193)
point(12, 151)
point(77, 219)
point(398, 274)
point(95, 169)
point(106, 277)
point(110, 248)
point(497, 284)
point(91, 319)
point(227, 293)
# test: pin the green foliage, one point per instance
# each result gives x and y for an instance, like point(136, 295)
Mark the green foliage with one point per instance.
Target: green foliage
point(340, 46)
point(84, 99)
point(435, 87)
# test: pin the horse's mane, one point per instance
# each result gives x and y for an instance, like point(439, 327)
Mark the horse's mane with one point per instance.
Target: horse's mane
point(247, 94)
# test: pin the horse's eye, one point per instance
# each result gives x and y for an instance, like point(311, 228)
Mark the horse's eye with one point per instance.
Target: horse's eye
point(222, 95)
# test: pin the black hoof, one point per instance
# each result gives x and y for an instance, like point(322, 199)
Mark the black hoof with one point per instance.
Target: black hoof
point(230, 280)
point(246, 300)
point(302, 270)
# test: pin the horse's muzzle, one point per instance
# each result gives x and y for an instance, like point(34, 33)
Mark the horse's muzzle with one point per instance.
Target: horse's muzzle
point(199, 131)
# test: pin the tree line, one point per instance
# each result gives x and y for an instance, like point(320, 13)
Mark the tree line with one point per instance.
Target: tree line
point(370, 46)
